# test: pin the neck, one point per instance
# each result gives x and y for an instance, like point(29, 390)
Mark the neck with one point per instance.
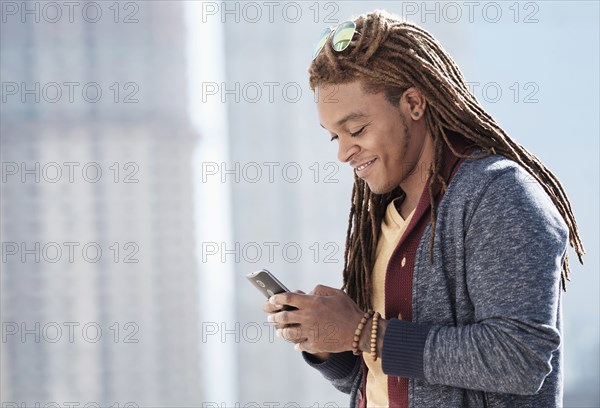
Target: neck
point(414, 184)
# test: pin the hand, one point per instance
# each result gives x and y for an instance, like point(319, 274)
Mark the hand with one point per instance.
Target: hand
point(324, 321)
point(275, 308)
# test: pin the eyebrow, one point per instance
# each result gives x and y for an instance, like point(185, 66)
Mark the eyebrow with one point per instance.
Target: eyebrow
point(348, 117)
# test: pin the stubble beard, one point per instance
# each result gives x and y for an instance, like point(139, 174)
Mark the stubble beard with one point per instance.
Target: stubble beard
point(391, 185)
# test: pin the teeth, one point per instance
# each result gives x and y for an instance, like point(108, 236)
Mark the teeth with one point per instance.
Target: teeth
point(365, 165)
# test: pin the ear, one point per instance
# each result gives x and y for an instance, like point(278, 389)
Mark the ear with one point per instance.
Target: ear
point(414, 103)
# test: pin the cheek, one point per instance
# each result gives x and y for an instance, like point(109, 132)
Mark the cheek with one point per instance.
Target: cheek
point(394, 152)
point(395, 158)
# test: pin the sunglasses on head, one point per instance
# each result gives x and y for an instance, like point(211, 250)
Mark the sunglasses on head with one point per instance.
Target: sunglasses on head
point(342, 35)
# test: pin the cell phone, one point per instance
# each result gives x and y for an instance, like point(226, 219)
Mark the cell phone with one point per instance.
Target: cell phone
point(268, 285)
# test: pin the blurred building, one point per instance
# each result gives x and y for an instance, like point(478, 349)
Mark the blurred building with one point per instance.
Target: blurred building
point(124, 88)
point(99, 283)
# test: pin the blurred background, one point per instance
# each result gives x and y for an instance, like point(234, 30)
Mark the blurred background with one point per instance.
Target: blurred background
point(155, 152)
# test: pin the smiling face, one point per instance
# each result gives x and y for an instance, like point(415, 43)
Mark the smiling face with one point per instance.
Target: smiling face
point(387, 145)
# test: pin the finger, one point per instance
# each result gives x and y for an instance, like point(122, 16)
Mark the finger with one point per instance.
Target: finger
point(322, 290)
point(283, 326)
point(304, 345)
point(283, 318)
point(288, 298)
point(270, 307)
point(293, 334)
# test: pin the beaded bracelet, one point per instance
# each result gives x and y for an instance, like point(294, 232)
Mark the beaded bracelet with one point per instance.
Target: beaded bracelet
point(358, 331)
point(374, 329)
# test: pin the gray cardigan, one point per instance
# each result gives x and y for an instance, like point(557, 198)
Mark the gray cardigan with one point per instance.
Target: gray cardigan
point(486, 328)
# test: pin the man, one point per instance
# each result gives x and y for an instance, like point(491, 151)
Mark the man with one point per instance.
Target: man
point(457, 238)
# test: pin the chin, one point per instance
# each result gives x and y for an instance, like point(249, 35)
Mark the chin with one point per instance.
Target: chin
point(377, 188)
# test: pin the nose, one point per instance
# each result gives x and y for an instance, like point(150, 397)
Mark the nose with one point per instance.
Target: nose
point(346, 149)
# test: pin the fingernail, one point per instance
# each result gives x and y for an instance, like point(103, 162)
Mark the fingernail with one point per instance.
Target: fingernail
point(297, 347)
point(270, 318)
point(278, 333)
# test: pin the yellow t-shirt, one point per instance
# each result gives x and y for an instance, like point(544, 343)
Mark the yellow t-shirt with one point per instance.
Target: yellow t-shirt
point(392, 228)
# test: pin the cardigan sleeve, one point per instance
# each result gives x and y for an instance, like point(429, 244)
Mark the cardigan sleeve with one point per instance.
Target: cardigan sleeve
point(341, 369)
point(515, 244)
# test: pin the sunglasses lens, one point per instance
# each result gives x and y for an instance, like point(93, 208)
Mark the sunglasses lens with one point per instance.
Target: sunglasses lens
point(321, 42)
point(343, 35)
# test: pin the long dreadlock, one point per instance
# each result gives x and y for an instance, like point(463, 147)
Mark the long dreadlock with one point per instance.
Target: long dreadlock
point(390, 56)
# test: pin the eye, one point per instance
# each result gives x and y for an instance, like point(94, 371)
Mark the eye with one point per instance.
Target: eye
point(358, 132)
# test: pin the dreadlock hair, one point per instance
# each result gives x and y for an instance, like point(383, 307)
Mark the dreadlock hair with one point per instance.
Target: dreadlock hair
point(390, 55)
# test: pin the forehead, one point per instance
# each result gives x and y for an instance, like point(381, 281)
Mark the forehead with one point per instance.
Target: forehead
point(336, 102)
point(328, 93)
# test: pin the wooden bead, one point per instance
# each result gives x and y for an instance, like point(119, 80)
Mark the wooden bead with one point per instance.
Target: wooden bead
point(361, 325)
point(374, 329)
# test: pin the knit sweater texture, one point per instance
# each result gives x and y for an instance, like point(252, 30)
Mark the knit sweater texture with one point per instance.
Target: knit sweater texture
point(485, 323)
